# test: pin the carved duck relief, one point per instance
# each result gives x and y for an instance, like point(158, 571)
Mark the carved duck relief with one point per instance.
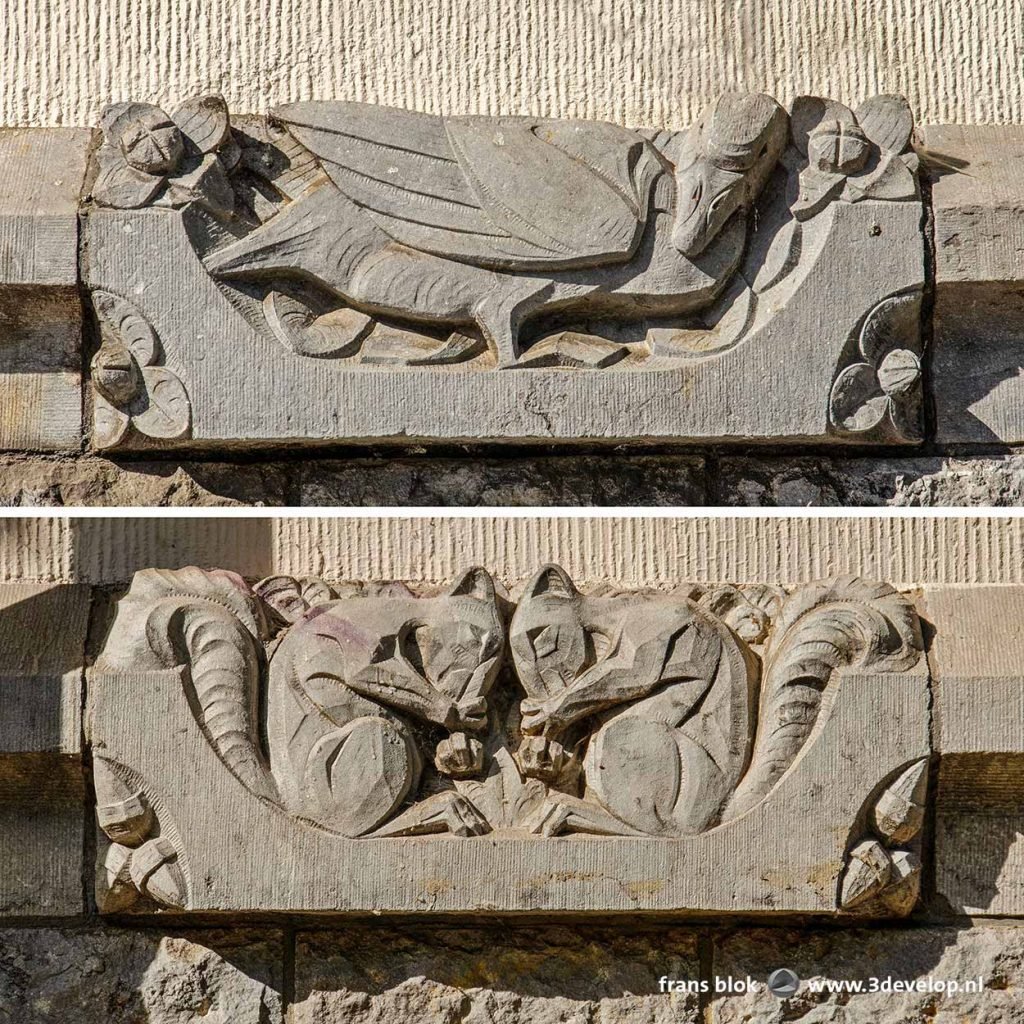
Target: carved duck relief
point(491, 221)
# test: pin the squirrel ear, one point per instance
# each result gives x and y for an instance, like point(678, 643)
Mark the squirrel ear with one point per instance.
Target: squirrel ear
point(551, 581)
point(475, 582)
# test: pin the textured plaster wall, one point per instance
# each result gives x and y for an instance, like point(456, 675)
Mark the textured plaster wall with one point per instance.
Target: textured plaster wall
point(635, 551)
point(640, 62)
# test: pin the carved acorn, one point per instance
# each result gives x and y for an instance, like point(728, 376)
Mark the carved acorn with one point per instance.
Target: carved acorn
point(868, 872)
point(900, 895)
point(116, 374)
point(127, 822)
point(155, 872)
point(838, 146)
point(150, 141)
point(899, 812)
point(115, 890)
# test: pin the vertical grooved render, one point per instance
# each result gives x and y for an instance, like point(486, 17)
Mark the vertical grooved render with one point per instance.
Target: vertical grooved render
point(401, 749)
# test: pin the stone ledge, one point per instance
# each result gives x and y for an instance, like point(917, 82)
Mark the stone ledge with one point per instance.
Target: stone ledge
point(40, 308)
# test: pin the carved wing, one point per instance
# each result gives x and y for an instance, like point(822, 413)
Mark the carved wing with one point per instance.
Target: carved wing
point(511, 193)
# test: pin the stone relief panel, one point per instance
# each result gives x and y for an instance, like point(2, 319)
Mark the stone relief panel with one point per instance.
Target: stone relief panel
point(339, 247)
point(299, 745)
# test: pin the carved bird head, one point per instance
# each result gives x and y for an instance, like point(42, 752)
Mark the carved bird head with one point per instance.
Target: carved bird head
point(725, 161)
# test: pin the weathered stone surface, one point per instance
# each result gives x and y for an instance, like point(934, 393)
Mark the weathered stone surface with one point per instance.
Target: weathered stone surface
point(41, 837)
point(978, 200)
point(990, 958)
point(93, 481)
point(559, 251)
point(39, 196)
point(51, 976)
point(387, 717)
point(42, 658)
point(978, 654)
point(923, 482)
point(40, 310)
point(536, 975)
point(621, 479)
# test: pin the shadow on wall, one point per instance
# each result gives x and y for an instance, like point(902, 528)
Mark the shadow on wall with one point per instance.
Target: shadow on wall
point(978, 349)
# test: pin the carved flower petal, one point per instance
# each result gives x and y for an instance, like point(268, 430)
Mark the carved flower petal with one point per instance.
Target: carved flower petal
point(894, 323)
point(906, 414)
point(164, 410)
point(817, 190)
point(887, 121)
point(128, 326)
point(891, 180)
point(116, 117)
point(109, 424)
point(121, 186)
point(857, 403)
point(203, 120)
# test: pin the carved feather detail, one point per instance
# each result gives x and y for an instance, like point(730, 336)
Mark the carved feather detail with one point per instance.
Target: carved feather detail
point(846, 623)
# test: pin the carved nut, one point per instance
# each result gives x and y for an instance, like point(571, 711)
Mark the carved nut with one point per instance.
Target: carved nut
point(127, 822)
point(155, 872)
point(116, 374)
point(114, 888)
point(899, 813)
point(459, 756)
point(543, 759)
point(152, 142)
point(837, 146)
point(868, 872)
point(899, 372)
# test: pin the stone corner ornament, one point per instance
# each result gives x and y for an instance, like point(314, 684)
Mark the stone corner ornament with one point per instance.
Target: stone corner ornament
point(341, 270)
point(293, 745)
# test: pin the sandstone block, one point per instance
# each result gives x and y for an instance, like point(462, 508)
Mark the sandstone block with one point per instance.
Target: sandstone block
point(978, 201)
point(42, 656)
point(434, 784)
point(978, 655)
point(41, 839)
point(505, 279)
point(40, 310)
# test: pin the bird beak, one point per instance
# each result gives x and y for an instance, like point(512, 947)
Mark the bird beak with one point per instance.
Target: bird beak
point(706, 197)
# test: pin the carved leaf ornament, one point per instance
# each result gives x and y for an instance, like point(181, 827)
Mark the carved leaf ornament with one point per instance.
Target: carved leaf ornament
point(130, 389)
point(881, 394)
